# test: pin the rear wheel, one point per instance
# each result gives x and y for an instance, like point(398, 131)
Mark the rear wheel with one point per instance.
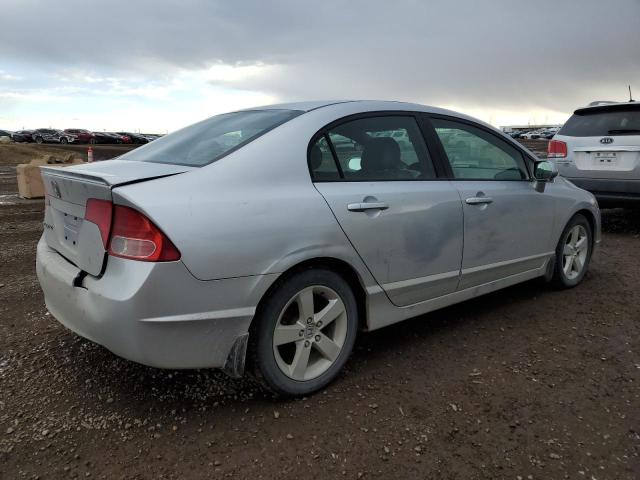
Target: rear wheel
point(64, 141)
point(304, 333)
point(573, 253)
point(38, 139)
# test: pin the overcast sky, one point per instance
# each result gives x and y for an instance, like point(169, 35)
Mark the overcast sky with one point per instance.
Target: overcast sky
point(159, 65)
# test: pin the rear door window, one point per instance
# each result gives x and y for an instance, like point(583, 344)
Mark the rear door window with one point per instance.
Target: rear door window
point(602, 121)
point(322, 163)
point(373, 149)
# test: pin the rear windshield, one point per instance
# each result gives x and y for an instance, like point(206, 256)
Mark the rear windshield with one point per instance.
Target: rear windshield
point(624, 120)
point(211, 139)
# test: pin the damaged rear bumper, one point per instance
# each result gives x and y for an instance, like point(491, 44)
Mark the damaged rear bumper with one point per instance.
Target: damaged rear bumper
point(156, 314)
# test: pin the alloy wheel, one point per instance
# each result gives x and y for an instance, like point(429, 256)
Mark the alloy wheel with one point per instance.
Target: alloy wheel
point(575, 252)
point(310, 333)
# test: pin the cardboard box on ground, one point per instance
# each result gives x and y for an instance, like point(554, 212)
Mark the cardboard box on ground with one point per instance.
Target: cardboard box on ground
point(30, 183)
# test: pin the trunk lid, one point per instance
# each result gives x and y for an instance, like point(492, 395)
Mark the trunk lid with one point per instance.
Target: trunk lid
point(68, 189)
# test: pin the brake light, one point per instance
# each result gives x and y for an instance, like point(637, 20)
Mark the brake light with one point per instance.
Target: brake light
point(99, 212)
point(127, 233)
point(556, 149)
point(134, 236)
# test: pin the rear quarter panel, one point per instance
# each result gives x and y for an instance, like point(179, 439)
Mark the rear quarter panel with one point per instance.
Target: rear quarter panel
point(252, 212)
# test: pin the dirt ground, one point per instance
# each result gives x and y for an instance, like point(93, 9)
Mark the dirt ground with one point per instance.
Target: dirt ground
point(526, 383)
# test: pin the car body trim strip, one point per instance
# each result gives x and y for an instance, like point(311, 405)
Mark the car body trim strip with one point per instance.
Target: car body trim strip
point(213, 315)
point(421, 280)
point(505, 263)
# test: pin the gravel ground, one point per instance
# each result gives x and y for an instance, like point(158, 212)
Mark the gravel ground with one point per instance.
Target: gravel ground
point(525, 383)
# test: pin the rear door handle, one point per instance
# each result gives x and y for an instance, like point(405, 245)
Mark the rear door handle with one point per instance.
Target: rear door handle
point(478, 200)
point(361, 207)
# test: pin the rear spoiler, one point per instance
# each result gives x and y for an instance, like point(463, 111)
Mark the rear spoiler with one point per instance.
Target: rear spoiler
point(610, 107)
point(60, 172)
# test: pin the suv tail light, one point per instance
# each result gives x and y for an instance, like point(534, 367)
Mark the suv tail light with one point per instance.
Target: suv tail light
point(556, 149)
point(127, 233)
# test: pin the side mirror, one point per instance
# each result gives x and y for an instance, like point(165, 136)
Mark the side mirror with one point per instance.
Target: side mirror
point(544, 172)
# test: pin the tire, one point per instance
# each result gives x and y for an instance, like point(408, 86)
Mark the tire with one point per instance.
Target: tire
point(64, 141)
point(567, 272)
point(92, 141)
point(39, 140)
point(325, 345)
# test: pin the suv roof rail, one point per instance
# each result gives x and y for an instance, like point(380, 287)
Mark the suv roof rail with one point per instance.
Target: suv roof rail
point(601, 102)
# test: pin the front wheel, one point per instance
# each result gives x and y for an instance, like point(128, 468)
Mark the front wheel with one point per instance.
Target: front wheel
point(304, 333)
point(64, 141)
point(39, 140)
point(573, 253)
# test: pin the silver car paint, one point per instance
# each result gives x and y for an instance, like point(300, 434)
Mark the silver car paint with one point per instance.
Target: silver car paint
point(242, 221)
point(258, 189)
point(156, 314)
point(580, 164)
point(413, 248)
point(68, 189)
point(614, 185)
point(498, 243)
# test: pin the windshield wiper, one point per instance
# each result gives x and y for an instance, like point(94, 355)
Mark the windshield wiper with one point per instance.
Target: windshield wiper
point(623, 130)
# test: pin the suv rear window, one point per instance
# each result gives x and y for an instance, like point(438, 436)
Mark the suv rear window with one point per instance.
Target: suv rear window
point(600, 121)
point(209, 140)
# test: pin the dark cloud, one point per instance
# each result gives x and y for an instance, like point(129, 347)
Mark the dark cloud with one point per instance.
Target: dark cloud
point(489, 54)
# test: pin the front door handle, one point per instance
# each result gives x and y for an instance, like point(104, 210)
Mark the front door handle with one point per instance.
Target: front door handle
point(478, 200)
point(361, 207)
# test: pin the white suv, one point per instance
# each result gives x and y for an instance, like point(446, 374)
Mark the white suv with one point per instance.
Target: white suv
point(598, 149)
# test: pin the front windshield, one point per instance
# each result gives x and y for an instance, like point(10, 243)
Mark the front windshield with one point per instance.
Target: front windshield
point(211, 139)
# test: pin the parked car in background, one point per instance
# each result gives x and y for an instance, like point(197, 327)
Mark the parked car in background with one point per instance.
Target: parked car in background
point(104, 138)
point(107, 138)
point(547, 134)
point(134, 138)
point(598, 149)
point(531, 135)
point(50, 135)
point(122, 137)
point(283, 261)
point(80, 135)
point(23, 136)
point(151, 136)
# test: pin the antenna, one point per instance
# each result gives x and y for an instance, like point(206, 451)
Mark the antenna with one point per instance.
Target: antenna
point(630, 97)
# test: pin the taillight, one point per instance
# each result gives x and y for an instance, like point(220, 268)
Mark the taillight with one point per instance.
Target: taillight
point(133, 236)
point(127, 233)
point(99, 212)
point(556, 149)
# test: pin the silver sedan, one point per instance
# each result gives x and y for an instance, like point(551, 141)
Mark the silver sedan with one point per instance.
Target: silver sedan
point(273, 235)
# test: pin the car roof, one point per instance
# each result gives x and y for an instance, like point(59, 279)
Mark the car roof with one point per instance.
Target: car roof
point(594, 107)
point(367, 106)
point(301, 106)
